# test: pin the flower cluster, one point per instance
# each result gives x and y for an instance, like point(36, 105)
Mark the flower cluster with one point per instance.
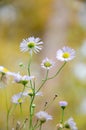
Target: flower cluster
point(30, 91)
point(69, 124)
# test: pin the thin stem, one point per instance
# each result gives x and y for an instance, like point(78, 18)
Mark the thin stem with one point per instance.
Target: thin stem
point(57, 71)
point(51, 77)
point(29, 73)
point(29, 65)
point(40, 127)
point(36, 124)
point(32, 108)
point(23, 124)
point(7, 110)
point(51, 101)
point(62, 118)
point(31, 113)
point(43, 81)
point(21, 109)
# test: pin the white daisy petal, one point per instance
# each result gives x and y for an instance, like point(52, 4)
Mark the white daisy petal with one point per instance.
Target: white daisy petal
point(31, 44)
point(47, 63)
point(71, 124)
point(43, 116)
point(17, 98)
point(65, 54)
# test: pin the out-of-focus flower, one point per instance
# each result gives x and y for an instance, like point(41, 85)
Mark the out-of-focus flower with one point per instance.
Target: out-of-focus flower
point(22, 79)
point(63, 104)
point(17, 98)
point(43, 116)
point(4, 76)
point(65, 54)
point(47, 63)
point(59, 126)
point(31, 44)
point(82, 107)
point(30, 92)
point(11, 10)
point(71, 124)
point(81, 15)
point(80, 71)
point(83, 49)
point(3, 70)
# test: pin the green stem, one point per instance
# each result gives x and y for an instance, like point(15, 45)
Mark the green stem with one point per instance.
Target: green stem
point(31, 113)
point(32, 108)
point(29, 73)
point(62, 118)
point(50, 77)
point(7, 110)
point(43, 81)
point(21, 109)
point(58, 71)
point(40, 127)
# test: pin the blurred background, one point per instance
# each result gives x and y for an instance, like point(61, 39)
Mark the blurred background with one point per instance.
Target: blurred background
point(57, 23)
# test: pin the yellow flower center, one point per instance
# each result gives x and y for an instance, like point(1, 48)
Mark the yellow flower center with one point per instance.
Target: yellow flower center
point(19, 100)
point(3, 70)
point(30, 92)
point(31, 44)
point(66, 55)
point(47, 64)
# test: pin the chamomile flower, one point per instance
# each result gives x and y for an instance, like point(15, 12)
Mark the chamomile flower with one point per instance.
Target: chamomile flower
point(47, 63)
point(43, 116)
point(65, 54)
point(31, 44)
point(22, 79)
point(71, 124)
point(17, 98)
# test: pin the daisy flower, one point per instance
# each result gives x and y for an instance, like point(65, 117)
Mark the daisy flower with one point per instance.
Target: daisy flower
point(43, 116)
point(31, 44)
point(65, 54)
point(22, 79)
point(4, 76)
point(47, 63)
point(30, 92)
point(71, 124)
point(3, 70)
point(17, 98)
point(63, 104)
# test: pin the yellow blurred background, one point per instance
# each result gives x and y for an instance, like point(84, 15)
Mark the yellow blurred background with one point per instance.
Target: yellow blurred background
point(57, 23)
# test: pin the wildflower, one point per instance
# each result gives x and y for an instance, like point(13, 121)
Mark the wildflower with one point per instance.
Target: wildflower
point(3, 70)
point(4, 76)
point(17, 98)
point(31, 44)
point(47, 63)
point(30, 92)
point(65, 54)
point(71, 124)
point(22, 79)
point(63, 104)
point(59, 126)
point(43, 116)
